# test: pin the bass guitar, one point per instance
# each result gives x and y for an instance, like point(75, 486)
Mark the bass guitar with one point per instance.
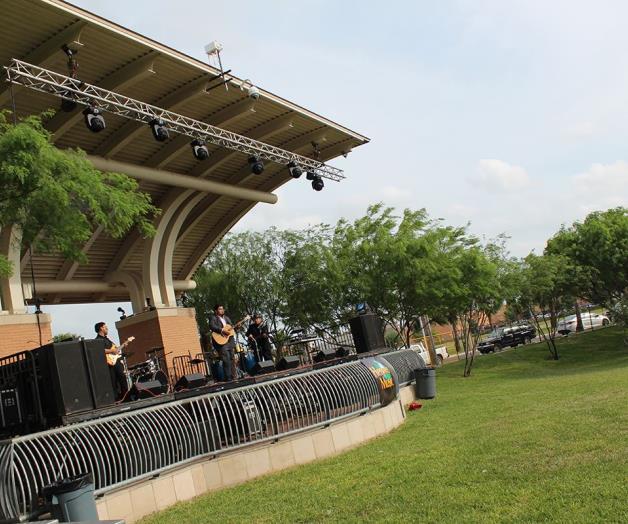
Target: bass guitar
point(113, 358)
point(227, 332)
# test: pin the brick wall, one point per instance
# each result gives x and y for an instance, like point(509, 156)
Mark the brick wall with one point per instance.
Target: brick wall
point(20, 332)
point(174, 329)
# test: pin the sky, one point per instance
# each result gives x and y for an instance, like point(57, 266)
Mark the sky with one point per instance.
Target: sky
point(508, 115)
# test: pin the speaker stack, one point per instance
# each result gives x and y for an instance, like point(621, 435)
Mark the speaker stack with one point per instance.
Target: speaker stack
point(367, 331)
point(324, 354)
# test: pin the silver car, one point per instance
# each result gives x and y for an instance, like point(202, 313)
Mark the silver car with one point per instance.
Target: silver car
point(589, 320)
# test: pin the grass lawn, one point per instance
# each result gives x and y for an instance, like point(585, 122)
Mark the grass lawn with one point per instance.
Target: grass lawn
point(524, 439)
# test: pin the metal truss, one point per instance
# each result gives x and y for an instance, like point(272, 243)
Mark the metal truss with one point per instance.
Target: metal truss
point(46, 81)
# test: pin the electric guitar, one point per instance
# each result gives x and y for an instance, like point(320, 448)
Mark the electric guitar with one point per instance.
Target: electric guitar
point(111, 358)
point(228, 330)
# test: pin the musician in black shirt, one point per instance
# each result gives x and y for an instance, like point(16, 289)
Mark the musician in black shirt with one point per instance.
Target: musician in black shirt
point(258, 333)
point(118, 376)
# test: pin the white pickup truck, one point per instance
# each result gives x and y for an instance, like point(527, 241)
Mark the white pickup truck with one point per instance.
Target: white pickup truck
point(441, 353)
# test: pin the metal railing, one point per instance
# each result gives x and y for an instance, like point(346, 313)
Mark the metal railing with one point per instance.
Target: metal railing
point(127, 447)
point(404, 362)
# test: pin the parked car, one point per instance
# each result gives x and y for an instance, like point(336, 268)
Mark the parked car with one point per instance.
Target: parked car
point(589, 320)
point(507, 336)
point(441, 353)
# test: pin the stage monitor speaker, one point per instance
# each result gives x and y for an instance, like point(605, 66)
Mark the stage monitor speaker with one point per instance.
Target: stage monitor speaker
point(264, 366)
point(367, 331)
point(148, 389)
point(190, 381)
point(324, 354)
point(342, 352)
point(288, 362)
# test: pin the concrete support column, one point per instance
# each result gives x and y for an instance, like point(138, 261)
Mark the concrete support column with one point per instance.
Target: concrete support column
point(11, 287)
point(21, 332)
point(174, 329)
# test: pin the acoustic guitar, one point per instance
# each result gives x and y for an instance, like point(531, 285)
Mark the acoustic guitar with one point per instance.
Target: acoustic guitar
point(111, 358)
point(221, 339)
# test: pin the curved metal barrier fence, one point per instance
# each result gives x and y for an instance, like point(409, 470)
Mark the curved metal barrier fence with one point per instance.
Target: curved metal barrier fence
point(404, 362)
point(126, 447)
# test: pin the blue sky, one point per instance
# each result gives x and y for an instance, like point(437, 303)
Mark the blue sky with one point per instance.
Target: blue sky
point(511, 115)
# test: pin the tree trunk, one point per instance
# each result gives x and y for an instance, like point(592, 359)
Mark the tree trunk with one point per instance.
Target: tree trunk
point(425, 321)
point(579, 326)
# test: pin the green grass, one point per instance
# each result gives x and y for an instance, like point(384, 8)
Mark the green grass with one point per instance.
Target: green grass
point(524, 439)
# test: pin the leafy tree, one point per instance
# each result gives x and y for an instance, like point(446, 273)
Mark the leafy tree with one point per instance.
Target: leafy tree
point(57, 198)
point(598, 246)
point(546, 286)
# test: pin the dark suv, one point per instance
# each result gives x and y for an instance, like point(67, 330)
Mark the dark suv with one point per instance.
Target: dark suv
point(507, 336)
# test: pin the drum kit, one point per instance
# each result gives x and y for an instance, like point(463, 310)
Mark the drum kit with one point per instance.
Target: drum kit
point(146, 371)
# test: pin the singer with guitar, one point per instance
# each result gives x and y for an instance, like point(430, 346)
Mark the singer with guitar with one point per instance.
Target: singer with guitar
point(223, 339)
point(112, 352)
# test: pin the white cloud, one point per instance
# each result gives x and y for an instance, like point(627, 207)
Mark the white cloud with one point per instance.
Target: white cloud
point(602, 186)
point(497, 175)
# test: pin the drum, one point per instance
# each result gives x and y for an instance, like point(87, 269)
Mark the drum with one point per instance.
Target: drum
point(156, 375)
point(250, 361)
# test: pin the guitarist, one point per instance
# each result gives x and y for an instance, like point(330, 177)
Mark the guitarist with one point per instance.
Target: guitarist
point(118, 377)
point(217, 324)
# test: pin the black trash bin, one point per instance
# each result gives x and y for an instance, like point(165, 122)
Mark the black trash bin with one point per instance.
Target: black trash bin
point(425, 386)
point(72, 499)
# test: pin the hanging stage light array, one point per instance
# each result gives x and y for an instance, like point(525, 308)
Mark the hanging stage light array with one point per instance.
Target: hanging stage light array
point(44, 80)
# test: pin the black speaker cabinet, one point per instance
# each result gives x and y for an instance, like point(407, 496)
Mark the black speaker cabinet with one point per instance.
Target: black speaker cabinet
point(288, 362)
point(98, 372)
point(324, 354)
point(190, 381)
point(64, 384)
point(148, 389)
point(367, 331)
point(265, 366)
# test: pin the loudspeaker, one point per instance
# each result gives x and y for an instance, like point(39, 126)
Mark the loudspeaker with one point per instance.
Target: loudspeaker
point(367, 332)
point(64, 384)
point(289, 362)
point(190, 381)
point(324, 354)
point(265, 366)
point(342, 352)
point(149, 389)
point(98, 372)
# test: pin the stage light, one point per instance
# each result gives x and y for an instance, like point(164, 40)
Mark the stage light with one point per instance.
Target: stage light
point(317, 183)
point(257, 167)
point(158, 127)
point(68, 104)
point(94, 119)
point(295, 170)
point(310, 175)
point(199, 149)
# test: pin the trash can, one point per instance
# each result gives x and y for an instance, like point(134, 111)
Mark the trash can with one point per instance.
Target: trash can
point(425, 386)
point(72, 499)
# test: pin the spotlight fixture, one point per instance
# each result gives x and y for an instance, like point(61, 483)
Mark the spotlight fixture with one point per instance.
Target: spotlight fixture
point(158, 127)
point(94, 119)
point(199, 149)
point(317, 183)
point(295, 170)
point(257, 166)
point(310, 175)
point(68, 104)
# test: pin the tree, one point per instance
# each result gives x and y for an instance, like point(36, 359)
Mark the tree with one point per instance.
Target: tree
point(598, 246)
point(546, 288)
point(57, 198)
